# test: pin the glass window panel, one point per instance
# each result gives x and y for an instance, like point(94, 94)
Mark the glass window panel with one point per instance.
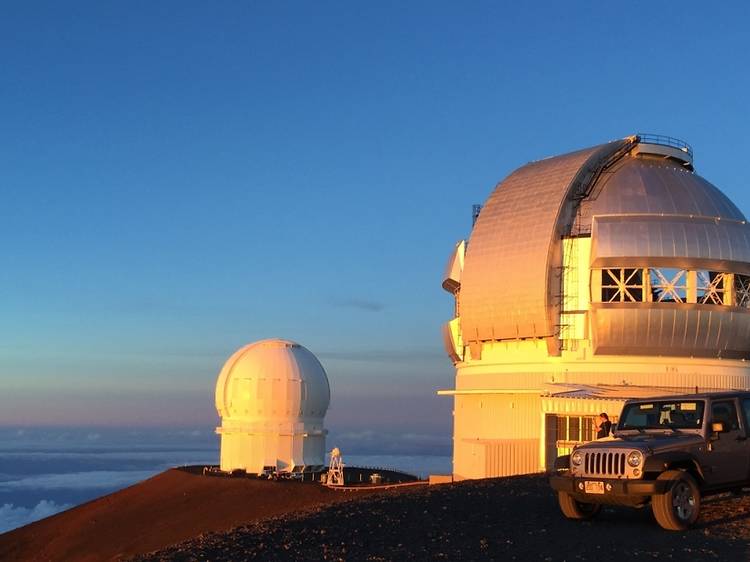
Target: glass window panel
point(746, 412)
point(725, 413)
point(562, 428)
point(589, 429)
point(574, 431)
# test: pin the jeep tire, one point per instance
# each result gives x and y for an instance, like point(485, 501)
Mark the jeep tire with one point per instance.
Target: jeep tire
point(573, 509)
point(679, 507)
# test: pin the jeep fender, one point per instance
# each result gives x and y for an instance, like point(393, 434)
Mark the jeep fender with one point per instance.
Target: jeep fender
point(673, 460)
point(562, 463)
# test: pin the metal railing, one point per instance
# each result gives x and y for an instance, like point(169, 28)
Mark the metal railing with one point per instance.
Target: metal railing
point(666, 141)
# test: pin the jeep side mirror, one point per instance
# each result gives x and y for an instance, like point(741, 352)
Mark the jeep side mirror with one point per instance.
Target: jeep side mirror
point(717, 427)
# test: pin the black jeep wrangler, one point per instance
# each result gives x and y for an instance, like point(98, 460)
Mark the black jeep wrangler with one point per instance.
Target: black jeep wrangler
point(666, 451)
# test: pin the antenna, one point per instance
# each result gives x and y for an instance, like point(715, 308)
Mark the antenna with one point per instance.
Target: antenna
point(475, 210)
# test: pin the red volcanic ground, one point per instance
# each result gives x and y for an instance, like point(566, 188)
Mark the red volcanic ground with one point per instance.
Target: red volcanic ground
point(171, 507)
point(500, 519)
point(170, 518)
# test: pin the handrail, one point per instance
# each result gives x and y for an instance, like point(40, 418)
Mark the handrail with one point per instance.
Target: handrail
point(664, 140)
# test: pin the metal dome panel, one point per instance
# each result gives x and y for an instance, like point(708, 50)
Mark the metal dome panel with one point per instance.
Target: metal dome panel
point(670, 241)
point(272, 379)
point(507, 285)
point(649, 185)
point(670, 330)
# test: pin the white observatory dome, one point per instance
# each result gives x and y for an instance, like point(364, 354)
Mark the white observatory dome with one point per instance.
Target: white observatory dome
point(272, 396)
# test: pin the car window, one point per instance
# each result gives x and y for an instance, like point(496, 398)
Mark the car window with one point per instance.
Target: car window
point(680, 414)
point(746, 412)
point(726, 413)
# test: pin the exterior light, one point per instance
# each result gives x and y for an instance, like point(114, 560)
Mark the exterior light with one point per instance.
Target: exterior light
point(576, 458)
point(635, 458)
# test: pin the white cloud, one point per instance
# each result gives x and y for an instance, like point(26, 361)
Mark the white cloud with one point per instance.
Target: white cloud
point(78, 480)
point(12, 516)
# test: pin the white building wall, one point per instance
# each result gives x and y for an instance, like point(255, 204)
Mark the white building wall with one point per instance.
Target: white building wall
point(499, 401)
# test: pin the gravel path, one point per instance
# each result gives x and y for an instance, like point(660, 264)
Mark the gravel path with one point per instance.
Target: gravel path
point(500, 519)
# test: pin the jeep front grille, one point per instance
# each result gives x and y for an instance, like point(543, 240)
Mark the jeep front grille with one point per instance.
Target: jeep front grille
point(604, 463)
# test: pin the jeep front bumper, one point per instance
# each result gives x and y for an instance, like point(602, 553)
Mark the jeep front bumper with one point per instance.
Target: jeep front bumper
point(613, 488)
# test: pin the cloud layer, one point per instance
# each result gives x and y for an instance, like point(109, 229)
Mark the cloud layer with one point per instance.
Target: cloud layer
point(12, 517)
point(99, 479)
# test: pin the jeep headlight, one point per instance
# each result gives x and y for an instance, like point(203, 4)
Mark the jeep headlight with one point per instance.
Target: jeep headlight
point(635, 458)
point(576, 458)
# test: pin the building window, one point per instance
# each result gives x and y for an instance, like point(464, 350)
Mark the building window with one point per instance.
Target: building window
point(622, 285)
point(575, 429)
point(742, 290)
point(563, 432)
point(711, 287)
point(668, 285)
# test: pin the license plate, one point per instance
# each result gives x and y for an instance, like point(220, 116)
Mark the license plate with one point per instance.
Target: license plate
point(593, 487)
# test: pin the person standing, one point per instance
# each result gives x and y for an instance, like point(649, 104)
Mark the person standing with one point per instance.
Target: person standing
point(604, 426)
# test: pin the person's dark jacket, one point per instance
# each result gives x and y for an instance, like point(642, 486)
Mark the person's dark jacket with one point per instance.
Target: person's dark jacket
point(604, 429)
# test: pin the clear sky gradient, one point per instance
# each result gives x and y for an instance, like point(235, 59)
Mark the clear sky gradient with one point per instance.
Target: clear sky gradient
point(182, 178)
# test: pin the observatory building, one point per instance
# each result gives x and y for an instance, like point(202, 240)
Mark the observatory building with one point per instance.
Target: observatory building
point(272, 396)
point(609, 273)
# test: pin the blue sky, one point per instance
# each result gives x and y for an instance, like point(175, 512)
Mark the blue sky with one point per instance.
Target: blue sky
point(181, 178)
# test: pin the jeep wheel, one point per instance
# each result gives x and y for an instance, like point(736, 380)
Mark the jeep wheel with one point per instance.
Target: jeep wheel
point(573, 509)
point(679, 507)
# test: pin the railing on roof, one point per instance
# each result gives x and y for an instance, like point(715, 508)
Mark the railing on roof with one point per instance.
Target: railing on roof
point(664, 140)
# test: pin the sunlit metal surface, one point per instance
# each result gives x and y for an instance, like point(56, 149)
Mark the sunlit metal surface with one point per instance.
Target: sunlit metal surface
point(686, 330)
point(510, 267)
point(643, 185)
point(686, 242)
point(452, 276)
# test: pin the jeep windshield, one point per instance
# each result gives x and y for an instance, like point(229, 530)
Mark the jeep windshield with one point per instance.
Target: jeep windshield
point(662, 414)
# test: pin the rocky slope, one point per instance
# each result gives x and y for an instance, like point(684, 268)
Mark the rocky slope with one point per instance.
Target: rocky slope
point(500, 519)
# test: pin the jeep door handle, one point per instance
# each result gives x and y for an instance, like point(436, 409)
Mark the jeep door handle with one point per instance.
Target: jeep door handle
point(740, 438)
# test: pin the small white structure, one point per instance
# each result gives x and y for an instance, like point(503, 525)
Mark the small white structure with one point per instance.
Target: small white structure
point(336, 468)
point(272, 396)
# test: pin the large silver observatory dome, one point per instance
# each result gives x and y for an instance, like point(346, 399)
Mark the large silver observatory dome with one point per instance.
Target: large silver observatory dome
point(669, 263)
point(590, 278)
